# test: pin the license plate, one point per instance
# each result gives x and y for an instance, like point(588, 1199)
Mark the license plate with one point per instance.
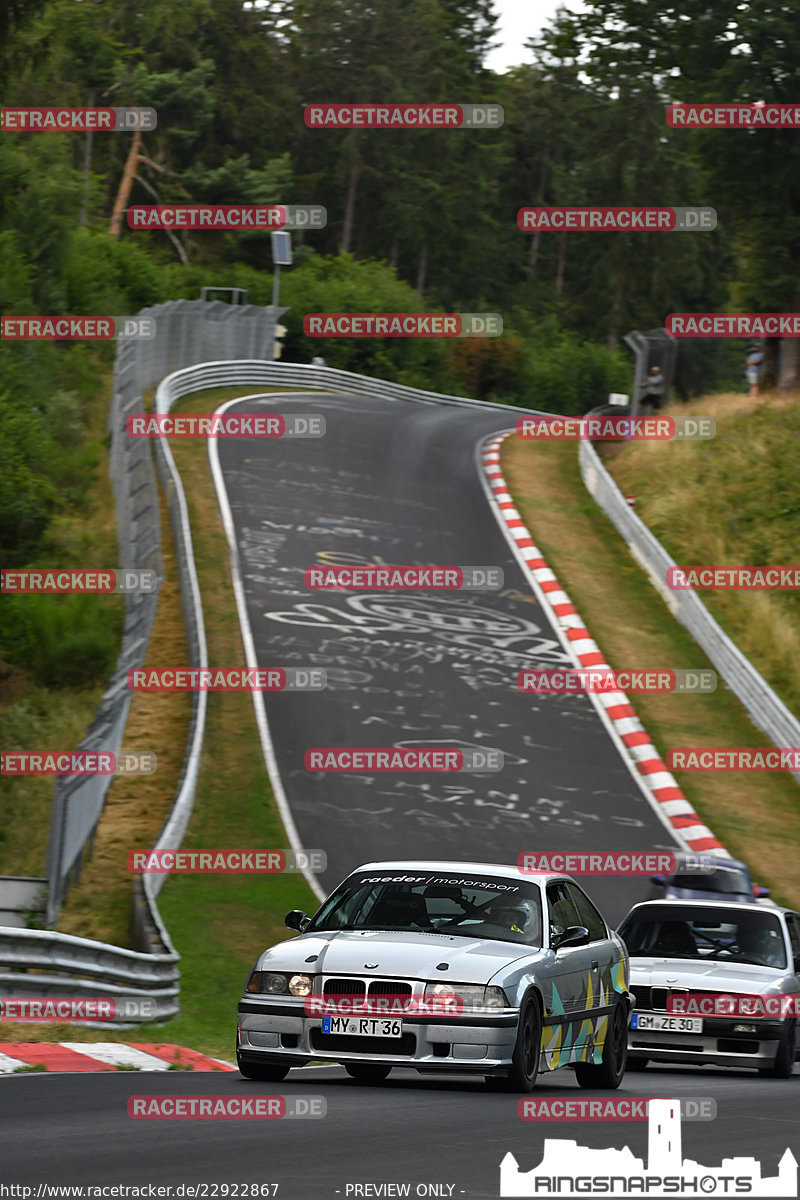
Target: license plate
point(667, 1024)
point(363, 1026)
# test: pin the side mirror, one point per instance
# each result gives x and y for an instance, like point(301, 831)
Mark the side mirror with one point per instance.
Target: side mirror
point(761, 892)
point(797, 964)
point(575, 935)
point(296, 919)
point(661, 880)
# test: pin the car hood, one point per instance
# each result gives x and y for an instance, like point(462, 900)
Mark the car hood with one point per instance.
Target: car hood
point(704, 976)
point(401, 955)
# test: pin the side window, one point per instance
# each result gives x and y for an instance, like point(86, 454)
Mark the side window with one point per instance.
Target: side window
point(560, 909)
point(589, 916)
point(793, 922)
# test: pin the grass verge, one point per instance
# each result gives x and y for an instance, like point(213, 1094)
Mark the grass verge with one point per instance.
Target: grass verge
point(754, 816)
point(734, 499)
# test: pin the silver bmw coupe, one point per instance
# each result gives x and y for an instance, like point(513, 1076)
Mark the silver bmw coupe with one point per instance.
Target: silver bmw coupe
point(443, 966)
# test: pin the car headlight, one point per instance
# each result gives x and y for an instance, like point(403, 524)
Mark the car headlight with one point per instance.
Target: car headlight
point(272, 983)
point(301, 985)
point(471, 995)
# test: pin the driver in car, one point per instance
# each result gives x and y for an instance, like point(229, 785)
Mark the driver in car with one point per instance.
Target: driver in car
point(759, 945)
point(518, 916)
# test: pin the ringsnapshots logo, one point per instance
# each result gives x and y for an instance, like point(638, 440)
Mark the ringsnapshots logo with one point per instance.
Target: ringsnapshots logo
point(569, 1169)
point(612, 862)
point(226, 862)
point(402, 325)
point(404, 116)
point(77, 1009)
point(403, 760)
point(701, 578)
point(76, 329)
point(226, 425)
point(226, 1108)
point(77, 762)
point(239, 218)
point(69, 582)
point(234, 679)
point(71, 120)
point(403, 579)
point(599, 680)
point(616, 428)
point(582, 218)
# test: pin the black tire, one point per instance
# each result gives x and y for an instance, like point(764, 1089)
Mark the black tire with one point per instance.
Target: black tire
point(268, 1072)
point(783, 1064)
point(527, 1048)
point(636, 1064)
point(609, 1071)
point(367, 1072)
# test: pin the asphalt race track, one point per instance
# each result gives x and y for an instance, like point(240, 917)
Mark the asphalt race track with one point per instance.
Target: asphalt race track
point(398, 483)
point(74, 1129)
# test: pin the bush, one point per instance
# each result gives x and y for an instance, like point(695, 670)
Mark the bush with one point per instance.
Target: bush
point(63, 641)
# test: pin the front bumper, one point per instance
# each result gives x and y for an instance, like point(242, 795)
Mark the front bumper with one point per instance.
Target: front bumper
point(719, 1043)
point(270, 1031)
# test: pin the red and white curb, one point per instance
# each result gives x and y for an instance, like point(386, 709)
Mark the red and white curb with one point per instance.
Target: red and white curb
point(656, 781)
point(104, 1056)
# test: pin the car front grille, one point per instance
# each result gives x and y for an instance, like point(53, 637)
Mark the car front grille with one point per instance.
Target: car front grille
point(389, 987)
point(655, 998)
point(337, 985)
point(344, 987)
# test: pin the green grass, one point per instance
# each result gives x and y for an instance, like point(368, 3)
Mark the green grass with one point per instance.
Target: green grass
point(755, 816)
point(732, 500)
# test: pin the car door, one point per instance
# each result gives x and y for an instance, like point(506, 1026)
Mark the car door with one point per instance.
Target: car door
point(606, 976)
point(603, 958)
point(568, 1033)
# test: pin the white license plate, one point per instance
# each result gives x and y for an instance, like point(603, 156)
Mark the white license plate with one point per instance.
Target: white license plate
point(667, 1024)
point(363, 1026)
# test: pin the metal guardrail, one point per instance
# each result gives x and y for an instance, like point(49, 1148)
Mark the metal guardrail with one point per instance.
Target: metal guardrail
point(186, 331)
point(305, 376)
point(44, 963)
point(766, 710)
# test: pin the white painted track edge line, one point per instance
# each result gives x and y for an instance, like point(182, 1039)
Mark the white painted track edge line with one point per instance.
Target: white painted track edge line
point(265, 736)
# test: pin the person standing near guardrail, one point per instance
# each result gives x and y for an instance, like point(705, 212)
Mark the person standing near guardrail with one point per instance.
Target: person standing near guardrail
point(754, 365)
point(653, 389)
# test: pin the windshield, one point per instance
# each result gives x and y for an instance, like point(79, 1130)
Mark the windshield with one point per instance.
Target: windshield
point(471, 906)
point(722, 879)
point(705, 933)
